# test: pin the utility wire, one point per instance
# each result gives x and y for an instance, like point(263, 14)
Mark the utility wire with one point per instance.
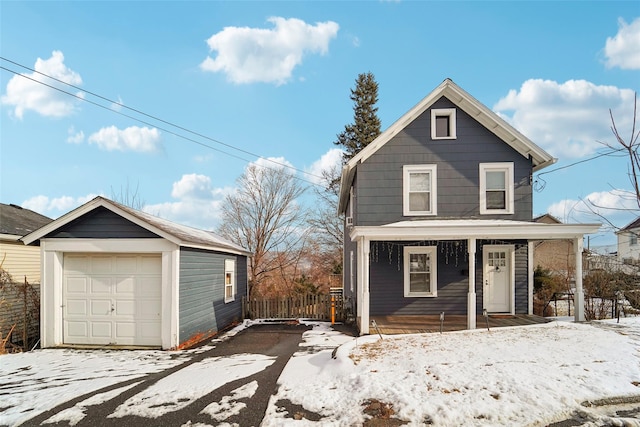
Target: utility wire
point(152, 117)
point(540, 183)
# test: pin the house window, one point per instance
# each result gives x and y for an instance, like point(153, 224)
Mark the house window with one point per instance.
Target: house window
point(419, 190)
point(443, 123)
point(496, 188)
point(229, 280)
point(633, 239)
point(420, 275)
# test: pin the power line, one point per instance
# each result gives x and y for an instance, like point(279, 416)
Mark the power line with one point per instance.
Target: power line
point(182, 128)
point(540, 183)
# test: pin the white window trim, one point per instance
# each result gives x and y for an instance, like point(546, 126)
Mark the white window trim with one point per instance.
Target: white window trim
point(507, 168)
point(230, 267)
point(433, 252)
point(406, 171)
point(451, 113)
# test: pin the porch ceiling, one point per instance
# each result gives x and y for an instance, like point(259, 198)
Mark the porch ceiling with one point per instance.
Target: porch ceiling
point(472, 229)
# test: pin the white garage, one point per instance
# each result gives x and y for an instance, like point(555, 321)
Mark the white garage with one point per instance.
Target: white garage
point(112, 299)
point(116, 276)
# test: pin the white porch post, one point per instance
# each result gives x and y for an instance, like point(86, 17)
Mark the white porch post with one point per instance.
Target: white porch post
point(530, 249)
point(579, 294)
point(363, 277)
point(471, 296)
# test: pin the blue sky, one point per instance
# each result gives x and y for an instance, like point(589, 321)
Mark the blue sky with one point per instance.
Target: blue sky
point(273, 78)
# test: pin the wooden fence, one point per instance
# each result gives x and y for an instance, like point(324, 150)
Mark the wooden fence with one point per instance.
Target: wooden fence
point(317, 307)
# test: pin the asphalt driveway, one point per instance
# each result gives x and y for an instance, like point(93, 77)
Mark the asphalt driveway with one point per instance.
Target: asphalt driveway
point(279, 341)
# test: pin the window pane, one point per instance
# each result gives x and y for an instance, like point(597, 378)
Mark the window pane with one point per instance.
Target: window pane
point(496, 181)
point(496, 200)
point(419, 282)
point(442, 126)
point(420, 181)
point(419, 263)
point(419, 202)
point(228, 291)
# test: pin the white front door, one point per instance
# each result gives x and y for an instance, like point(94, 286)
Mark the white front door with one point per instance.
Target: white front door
point(498, 278)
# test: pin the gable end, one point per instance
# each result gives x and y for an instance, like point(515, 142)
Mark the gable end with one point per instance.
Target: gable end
point(101, 223)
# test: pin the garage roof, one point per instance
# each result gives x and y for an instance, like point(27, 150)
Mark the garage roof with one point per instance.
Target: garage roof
point(181, 235)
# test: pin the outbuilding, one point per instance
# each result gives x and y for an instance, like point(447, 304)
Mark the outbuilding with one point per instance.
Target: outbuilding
point(116, 276)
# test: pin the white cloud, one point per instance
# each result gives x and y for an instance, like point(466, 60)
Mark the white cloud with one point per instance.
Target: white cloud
point(117, 106)
point(567, 119)
point(26, 91)
point(329, 161)
point(273, 163)
point(616, 205)
point(623, 50)
point(195, 187)
point(56, 206)
point(197, 202)
point(133, 138)
point(248, 55)
point(75, 137)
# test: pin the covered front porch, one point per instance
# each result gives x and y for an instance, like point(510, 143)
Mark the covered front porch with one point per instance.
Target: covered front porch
point(464, 289)
point(391, 325)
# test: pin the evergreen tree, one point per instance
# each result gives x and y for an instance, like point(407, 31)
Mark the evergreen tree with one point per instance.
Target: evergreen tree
point(366, 125)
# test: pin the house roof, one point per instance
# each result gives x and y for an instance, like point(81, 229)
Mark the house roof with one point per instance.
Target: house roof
point(468, 104)
point(472, 228)
point(181, 235)
point(633, 224)
point(547, 219)
point(16, 221)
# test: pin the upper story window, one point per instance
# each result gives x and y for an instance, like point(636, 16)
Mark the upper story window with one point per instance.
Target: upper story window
point(229, 280)
point(496, 188)
point(420, 275)
point(443, 123)
point(419, 190)
point(633, 239)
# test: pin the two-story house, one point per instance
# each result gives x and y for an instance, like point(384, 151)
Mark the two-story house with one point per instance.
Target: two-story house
point(628, 243)
point(438, 215)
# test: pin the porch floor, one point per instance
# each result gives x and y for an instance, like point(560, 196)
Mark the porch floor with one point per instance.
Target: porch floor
point(390, 325)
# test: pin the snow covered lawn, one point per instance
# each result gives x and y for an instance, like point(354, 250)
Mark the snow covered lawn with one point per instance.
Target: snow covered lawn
point(506, 377)
point(523, 376)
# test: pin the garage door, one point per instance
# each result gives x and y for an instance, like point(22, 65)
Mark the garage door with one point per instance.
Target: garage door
point(112, 299)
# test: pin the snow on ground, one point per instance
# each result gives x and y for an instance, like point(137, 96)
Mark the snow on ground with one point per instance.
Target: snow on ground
point(34, 382)
point(504, 377)
point(522, 376)
point(187, 385)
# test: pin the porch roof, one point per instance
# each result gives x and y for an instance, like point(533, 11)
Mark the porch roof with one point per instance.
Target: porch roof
point(472, 229)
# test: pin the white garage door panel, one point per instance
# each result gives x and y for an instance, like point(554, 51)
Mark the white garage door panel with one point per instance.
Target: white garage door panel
point(112, 299)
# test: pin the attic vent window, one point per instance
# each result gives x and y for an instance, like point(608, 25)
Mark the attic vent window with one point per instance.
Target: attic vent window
point(443, 123)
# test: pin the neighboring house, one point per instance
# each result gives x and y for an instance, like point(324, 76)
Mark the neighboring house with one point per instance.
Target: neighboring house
point(557, 256)
point(20, 261)
point(438, 215)
point(18, 300)
point(113, 275)
point(628, 243)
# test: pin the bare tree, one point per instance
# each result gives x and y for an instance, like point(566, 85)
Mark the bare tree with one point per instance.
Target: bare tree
point(264, 216)
point(128, 196)
point(631, 149)
point(325, 222)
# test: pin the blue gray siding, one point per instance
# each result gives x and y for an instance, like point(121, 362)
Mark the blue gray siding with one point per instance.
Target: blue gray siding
point(387, 280)
point(522, 279)
point(101, 223)
point(379, 184)
point(202, 310)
